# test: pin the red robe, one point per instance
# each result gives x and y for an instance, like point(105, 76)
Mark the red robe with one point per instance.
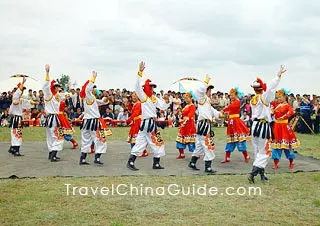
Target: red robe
point(187, 130)
point(284, 137)
point(135, 118)
point(237, 131)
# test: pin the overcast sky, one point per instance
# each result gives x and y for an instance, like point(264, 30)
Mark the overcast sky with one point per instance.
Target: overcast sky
point(232, 40)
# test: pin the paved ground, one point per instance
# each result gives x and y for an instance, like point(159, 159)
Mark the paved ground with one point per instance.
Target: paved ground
point(36, 164)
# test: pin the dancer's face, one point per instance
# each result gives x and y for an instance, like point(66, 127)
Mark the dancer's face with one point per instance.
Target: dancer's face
point(233, 96)
point(134, 97)
point(187, 99)
point(281, 98)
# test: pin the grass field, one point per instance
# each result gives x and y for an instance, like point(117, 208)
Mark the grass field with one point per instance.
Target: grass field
point(287, 199)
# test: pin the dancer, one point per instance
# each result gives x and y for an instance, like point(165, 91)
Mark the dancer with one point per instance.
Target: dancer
point(16, 108)
point(187, 131)
point(204, 137)
point(93, 129)
point(52, 99)
point(284, 137)
point(261, 130)
point(237, 132)
point(148, 133)
point(66, 127)
point(134, 121)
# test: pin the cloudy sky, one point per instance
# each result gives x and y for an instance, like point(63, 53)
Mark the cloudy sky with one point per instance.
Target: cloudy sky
point(232, 40)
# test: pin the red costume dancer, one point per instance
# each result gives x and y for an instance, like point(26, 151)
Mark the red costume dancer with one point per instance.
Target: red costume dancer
point(187, 130)
point(284, 138)
point(135, 121)
point(237, 132)
point(66, 127)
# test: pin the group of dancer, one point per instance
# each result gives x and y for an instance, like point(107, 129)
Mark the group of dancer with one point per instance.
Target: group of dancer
point(270, 129)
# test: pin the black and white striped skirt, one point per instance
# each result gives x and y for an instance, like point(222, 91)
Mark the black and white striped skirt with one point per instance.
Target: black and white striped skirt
point(203, 127)
point(16, 122)
point(149, 124)
point(50, 119)
point(261, 128)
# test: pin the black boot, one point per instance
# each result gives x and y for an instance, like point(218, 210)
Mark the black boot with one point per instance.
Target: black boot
point(193, 163)
point(83, 159)
point(50, 153)
point(156, 164)
point(11, 150)
point(253, 173)
point(262, 175)
point(97, 159)
point(208, 168)
point(54, 156)
point(130, 163)
point(17, 151)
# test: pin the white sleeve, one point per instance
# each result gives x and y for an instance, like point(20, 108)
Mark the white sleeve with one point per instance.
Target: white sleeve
point(139, 91)
point(101, 102)
point(200, 93)
point(26, 104)
point(269, 95)
point(46, 90)
point(161, 104)
point(216, 114)
point(16, 96)
point(89, 95)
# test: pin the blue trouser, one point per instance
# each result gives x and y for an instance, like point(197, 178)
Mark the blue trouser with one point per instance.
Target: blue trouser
point(276, 153)
point(242, 146)
point(191, 146)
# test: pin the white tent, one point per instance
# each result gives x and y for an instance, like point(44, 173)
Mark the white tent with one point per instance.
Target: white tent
point(8, 84)
point(185, 85)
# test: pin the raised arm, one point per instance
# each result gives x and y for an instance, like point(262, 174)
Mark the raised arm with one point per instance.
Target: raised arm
point(17, 94)
point(46, 86)
point(163, 104)
point(269, 95)
point(139, 91)
point(200, 93)
point(89, 95)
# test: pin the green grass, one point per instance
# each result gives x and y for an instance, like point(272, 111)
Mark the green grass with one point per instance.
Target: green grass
point(288, 199)
point(310, 144)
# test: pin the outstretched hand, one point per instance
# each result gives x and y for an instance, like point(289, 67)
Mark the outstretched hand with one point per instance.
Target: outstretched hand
point(142, 66)
point(24, 80)
point(281, 71)
point(47, 68)
point(94, 74)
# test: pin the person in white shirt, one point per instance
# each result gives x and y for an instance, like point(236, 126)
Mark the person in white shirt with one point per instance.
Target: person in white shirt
point(52, 98)
point(245, 118)
point(16, 109)
point(204, 134)
point(148, 133)
point(261, 130)
point(94, 130)
point(123, 116)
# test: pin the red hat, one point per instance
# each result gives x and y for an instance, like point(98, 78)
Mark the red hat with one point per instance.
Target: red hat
point(83, 90)
point(259, 84)
point(147, 87)
point(53, 85)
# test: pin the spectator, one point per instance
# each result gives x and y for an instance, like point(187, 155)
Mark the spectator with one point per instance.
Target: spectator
point(76, 100)
point(42, 117)
point(246, 119)
point(5, 118)
point(108, 114)
point(123, 116)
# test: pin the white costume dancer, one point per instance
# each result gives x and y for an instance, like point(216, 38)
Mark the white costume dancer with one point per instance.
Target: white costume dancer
point(148, 133)
point(261, 130)
point(204, 137)
point(93, 129)
point(52, 98)
point(16, 108)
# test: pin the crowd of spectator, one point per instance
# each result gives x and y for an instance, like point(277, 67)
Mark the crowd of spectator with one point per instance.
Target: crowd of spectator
point(120, 105)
